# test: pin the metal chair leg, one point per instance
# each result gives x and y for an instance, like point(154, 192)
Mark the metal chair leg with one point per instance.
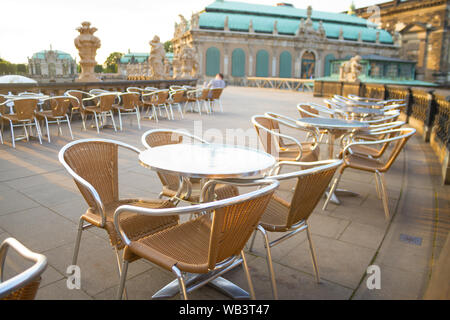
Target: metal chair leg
point(70, 127)
point(120, 120)
point(77, 242)
point(377, 186)
point(313, 255)
point(384, 194)
point(181, 283)
point(252, 241)
point(119, 268)
point(138, 116)
point(123, 277)
point(48, 131)
point(332, 190)
point(96, 123)
point(247, 274)
point(113, 122)
point(12, 134)
point(269, 263)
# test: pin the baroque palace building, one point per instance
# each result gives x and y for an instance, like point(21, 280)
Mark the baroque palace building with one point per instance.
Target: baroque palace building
point(52, 65)
point(423, 27)
point(246, 40)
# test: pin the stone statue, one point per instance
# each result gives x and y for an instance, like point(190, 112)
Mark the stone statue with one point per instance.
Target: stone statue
point(176, 64)
point(321, 30)
point(275, 27)
point(349, 71)
point(225, 24)
point(156, 58)
point(167, 67)
point(87, 45)
point(195, 21)
point(189, 62)
point(250, 26)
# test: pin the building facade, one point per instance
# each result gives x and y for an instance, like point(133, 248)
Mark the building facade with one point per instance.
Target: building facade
point(422, 26)
point(243, 40)
point(52, 65)
point(136, 64)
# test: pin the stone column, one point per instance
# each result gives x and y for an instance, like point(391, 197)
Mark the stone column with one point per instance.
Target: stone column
point(225, 61)
point(274, 62)
point(87, 45)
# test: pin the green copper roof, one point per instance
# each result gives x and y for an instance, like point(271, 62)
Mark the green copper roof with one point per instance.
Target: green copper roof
point(60, 55)
point(288, 19)
point(139, 57)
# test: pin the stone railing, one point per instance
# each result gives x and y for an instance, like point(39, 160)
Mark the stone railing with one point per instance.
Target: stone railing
point(278, 83)
point(426, 110)
point(60, 88)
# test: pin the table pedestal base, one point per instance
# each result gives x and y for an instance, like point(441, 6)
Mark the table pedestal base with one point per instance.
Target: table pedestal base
point(196, 281)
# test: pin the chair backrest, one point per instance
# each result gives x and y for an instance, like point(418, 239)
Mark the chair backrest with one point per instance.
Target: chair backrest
point(160, 97)
point(233, 225)
point(97, 163)
point(400, 141)
point(264, 127)
point(179, 96)
point(60, 105)
point(130, 100)
point(204, 95)
point(308, 109)
point(24, 285)
point(310, 187)
point(216, 93)
point(25, 108)
point(106, 101)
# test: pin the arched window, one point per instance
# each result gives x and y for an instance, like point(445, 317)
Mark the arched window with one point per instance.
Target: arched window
point(262, 63)
point(285, 65)
point(308, 65)
point(238, 63)
point(212, 61)
point(328, 59)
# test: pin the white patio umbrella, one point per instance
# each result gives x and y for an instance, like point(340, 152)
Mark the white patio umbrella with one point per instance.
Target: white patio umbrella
point(16, 79)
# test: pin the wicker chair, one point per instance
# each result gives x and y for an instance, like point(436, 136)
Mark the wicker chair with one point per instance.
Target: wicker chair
point(93, 164)
point(292, 217)
point(171, 183)
point(103, 109)
point(276, 143)
point(177, 98)
point(213, 96)
point(78, 107)
point(376, 166)
point(58, 113)
point(156, 100)
point(24, 116)
point(206, 245)
point(24, 285)
point(198, 97)
point(130, 105)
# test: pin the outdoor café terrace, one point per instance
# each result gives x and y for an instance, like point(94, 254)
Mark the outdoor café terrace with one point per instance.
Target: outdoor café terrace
point(40, 206)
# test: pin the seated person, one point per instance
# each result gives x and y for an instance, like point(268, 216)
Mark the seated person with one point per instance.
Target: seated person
point(217, 82)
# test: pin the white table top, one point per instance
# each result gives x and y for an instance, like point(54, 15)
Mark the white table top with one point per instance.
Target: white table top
point(331, 123)
point(360, 110)
point(211, 161)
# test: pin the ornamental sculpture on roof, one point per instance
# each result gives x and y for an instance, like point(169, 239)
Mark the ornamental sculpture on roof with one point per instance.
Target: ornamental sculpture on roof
point(189, 62)
point(156, 58)
point(87, 45)
point(349, 71)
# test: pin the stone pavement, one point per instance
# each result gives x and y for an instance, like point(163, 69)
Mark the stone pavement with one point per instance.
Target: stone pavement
point(40, 206)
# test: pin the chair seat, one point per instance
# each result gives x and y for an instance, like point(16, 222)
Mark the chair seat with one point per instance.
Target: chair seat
point(122, 108)
point(222, 191)
point(135, 225)
point(363, 163)
point(93, 109)
point(308, 155)
point(47, 114)
point(184, 245)
point(276, 214)
point(14, 118)
point(366, 150)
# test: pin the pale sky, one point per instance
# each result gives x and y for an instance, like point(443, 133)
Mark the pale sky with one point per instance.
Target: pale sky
point(29, 26)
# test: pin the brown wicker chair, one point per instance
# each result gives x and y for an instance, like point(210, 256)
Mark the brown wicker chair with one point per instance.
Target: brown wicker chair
point(103, 109)
point(24, 116)
point(281, 146)
point(213, 96)
point(130, 105)
point(155, 101)
point(78, 107)
point(376, 166)
point(58, 113)
point(292, 217)
point(24, 285)
point(177, 98)
point(198, 97)
point(206, 245)
point(171, 183)
point(93, 164)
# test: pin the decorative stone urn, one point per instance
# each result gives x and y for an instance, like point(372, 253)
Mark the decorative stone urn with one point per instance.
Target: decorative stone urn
point(87, 45)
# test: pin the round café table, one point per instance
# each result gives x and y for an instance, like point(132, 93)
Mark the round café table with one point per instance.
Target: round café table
point(207, 161)
point(336, 128)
